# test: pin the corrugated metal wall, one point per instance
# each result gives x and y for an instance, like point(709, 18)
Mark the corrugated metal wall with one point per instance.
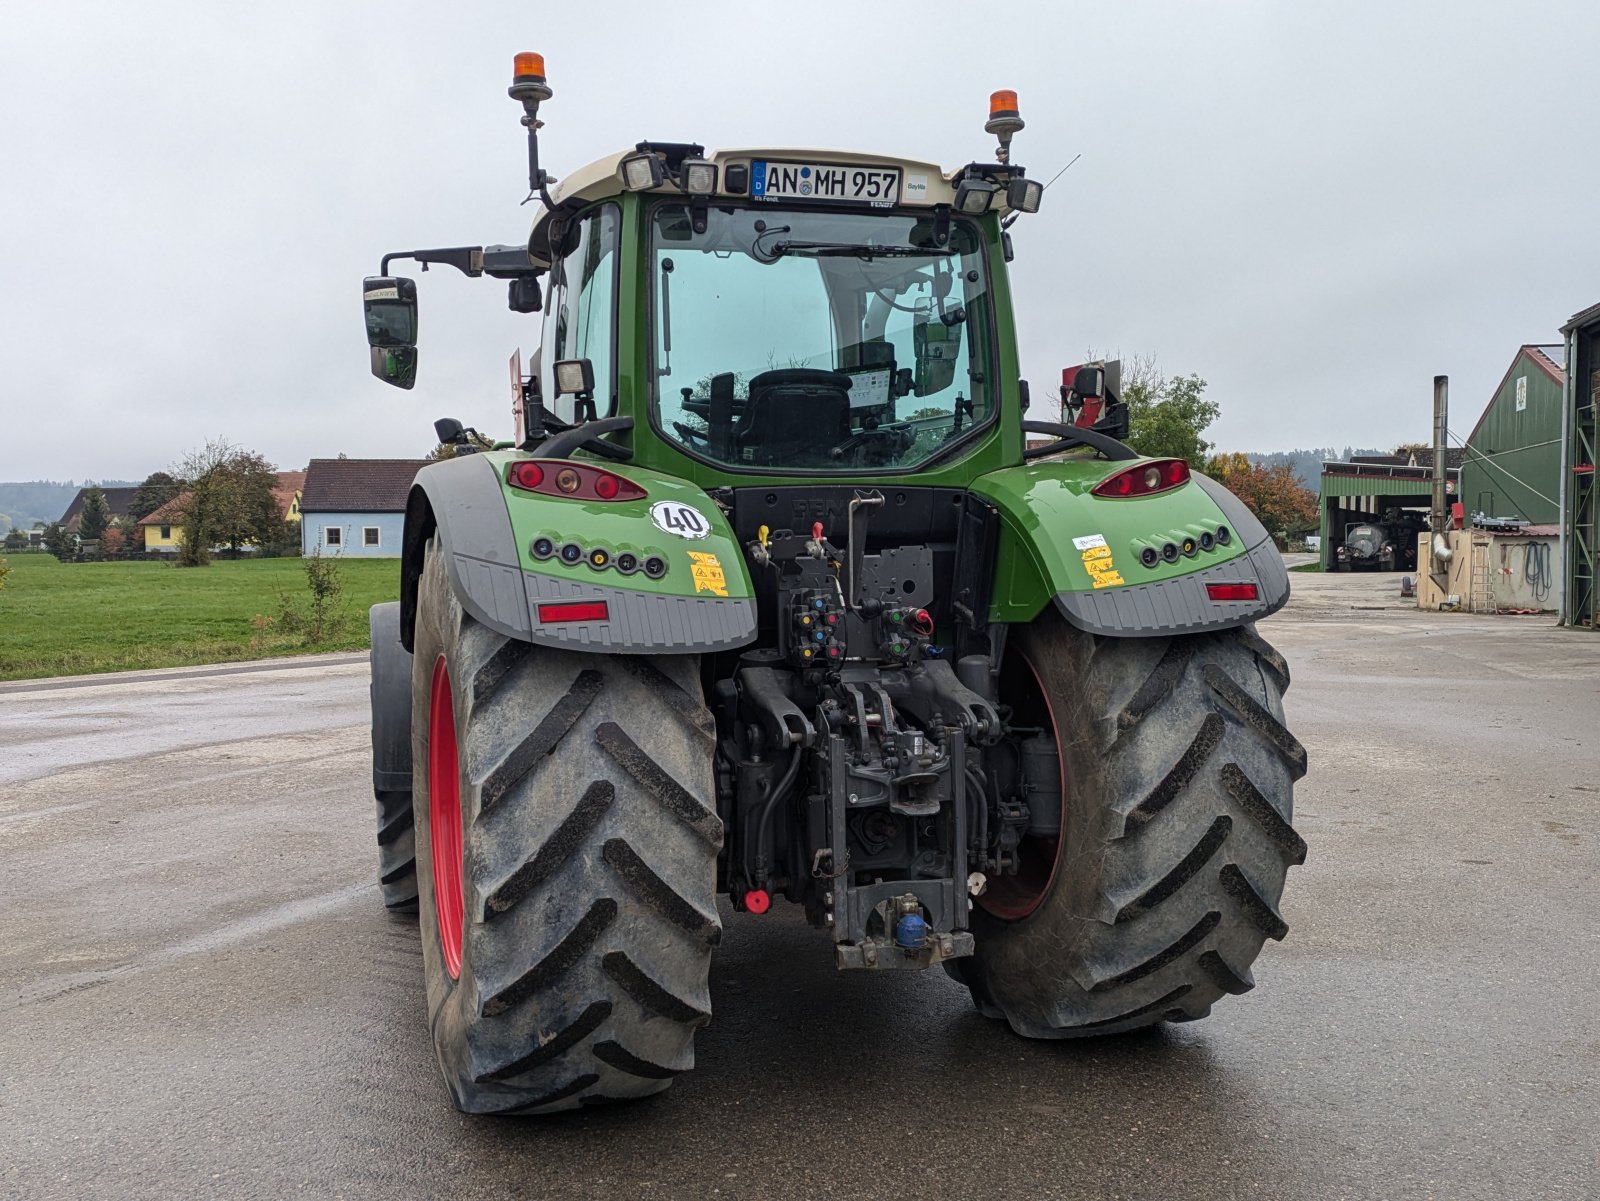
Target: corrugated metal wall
point(1513, 461)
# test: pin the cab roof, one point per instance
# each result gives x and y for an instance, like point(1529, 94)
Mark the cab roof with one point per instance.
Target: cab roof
point(922, 184)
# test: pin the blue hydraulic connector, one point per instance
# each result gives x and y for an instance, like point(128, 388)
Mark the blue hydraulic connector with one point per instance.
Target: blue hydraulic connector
point(911, 932)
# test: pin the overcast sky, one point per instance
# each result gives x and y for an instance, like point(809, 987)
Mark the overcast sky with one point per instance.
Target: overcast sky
point(1316, 207)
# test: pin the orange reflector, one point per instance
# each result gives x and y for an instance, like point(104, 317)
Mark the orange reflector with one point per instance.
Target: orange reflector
point(1231, 592)
point(528, 63)
point(574, 611)
point(1002, 102)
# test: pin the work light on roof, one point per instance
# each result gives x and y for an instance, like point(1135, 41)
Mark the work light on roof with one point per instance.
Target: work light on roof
point(699, 177)
point(974, 196)
point(1024, 195)
point(642, 171)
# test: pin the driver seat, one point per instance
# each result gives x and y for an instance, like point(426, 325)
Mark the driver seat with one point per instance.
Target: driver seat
point(794, 415)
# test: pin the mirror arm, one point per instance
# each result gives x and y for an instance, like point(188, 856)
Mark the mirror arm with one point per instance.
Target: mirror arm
point(466, 259)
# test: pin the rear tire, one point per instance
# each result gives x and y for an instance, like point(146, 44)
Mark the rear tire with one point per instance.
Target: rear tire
point(587, 873)
point(390, 695)
point(1179, 776)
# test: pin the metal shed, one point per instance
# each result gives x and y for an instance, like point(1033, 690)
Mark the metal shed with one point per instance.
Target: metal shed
point(1358, 490)
point(1580, 522)
point(1512, 465)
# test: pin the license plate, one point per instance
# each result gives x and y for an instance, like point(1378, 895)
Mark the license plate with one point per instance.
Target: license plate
point(819, 181)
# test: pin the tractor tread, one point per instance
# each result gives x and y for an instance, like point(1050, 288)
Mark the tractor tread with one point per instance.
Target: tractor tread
point(542, 740)
point(656, 998)
point(625, 1060)
point(1256, 907)
point(1253, 715)
point(588, 1022)
point(1188, 867)
point(570, 1089)
point(567, 953)
point(658, 782)
point(658, 894)
point(556, 850)
point(497, 667)
point(1223, 976)
point(1157, 686)
point(1183, 772)
point(1248, 797)
point(1138, 972)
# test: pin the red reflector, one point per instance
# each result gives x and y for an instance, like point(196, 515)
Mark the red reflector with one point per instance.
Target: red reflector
point(1231, 592)
point(574, 611)
point(757, 900)
point(1157, 475)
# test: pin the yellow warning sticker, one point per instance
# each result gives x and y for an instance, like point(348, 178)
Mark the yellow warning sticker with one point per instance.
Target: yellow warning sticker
point(706, 572)
point(1097, 561)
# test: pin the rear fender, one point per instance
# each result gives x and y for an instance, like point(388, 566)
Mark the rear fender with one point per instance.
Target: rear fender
point(1060, 544)
point(704, 602)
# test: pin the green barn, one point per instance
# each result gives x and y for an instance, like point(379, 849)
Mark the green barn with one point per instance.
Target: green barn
point(1512, 464)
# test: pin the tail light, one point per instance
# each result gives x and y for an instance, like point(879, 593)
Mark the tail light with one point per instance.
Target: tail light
point(578, 481)
point(1145, 479)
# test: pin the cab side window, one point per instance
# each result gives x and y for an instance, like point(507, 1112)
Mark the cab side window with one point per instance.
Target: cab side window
point(580, 311)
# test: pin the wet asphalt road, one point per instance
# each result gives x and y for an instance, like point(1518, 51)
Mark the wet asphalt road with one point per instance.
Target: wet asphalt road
point(201, 996)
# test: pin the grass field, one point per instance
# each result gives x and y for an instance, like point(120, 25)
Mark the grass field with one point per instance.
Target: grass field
point(60, 619)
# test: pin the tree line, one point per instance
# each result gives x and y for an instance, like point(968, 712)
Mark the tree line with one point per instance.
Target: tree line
point(221, 495)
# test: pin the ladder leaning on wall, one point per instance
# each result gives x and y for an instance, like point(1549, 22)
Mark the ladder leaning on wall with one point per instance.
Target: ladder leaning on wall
point(1480, 595)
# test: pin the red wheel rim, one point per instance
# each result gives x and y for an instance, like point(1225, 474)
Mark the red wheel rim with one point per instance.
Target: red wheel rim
point(444, 817)
point(1013, 898)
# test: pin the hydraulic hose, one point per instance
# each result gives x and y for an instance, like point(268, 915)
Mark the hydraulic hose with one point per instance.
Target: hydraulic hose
point(1536, 570)
point(763, 826)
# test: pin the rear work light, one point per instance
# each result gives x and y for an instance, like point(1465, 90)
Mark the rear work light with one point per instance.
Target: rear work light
point(579, 481)
point(574, 611)
point(1159, 475)
point(1231, 592)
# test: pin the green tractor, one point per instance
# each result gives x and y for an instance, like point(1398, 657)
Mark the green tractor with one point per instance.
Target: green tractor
point(773, 595)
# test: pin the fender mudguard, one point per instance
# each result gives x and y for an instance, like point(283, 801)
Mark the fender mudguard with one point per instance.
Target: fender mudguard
point(703, 603)
point(1060, 544)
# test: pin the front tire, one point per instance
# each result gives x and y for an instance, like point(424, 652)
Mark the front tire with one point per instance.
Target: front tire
point(1175, 836)
point(566, 854)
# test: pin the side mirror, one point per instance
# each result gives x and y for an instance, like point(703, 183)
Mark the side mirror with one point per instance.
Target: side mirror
point(390, 305)
point(935, 346)
point(395, 365)
point(1090, 383)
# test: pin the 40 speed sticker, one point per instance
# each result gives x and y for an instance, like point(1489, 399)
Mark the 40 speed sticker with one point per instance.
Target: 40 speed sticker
point(675, 517)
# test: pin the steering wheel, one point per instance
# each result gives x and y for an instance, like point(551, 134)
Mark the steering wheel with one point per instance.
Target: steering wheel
point(686, 432)
point(799, 377)
point(898, 436)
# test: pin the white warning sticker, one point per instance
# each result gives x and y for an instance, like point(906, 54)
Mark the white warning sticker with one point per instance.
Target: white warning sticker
point(675, 517)
point(1089, 541)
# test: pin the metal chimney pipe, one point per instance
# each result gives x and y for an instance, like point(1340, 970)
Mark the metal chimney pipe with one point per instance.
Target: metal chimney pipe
point(1439, 521)
point(1441, 425)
